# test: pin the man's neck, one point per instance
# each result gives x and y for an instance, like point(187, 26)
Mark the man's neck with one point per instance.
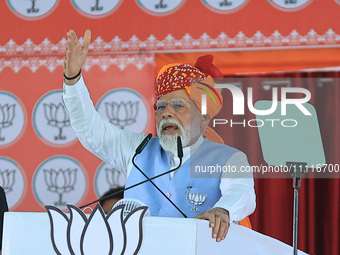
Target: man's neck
point(190, 148)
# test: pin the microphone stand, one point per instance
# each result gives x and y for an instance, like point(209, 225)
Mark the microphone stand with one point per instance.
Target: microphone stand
point(148, 179)
point(139, 150)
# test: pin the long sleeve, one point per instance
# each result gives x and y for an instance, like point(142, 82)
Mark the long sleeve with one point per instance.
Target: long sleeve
point(238, 194)
point(108, 142)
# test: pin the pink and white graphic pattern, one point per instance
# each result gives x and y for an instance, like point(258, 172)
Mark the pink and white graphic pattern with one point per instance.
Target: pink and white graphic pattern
point(106, 54)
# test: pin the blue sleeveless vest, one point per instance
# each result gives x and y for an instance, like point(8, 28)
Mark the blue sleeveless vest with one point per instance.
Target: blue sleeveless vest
point(188, 186)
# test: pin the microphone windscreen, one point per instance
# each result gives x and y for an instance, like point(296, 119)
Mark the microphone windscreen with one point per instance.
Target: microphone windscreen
point(179, 147)
point(141, 147)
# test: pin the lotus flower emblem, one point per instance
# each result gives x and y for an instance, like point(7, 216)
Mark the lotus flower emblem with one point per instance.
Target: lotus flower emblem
point(113, 177)
point(7, 113)
point(122, 114)
point(160, 5)
point(97, 7)
point(58, 117)
point(195, 198)
point(290, 1)
point(98, 234)
point(60, 182)
point(7, 179)
point(225, 3)
point(33, 9)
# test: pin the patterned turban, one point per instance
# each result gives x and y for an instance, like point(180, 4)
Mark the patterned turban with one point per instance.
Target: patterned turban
point(196, 80)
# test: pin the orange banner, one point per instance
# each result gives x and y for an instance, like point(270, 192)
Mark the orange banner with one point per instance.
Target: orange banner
point(39, 27)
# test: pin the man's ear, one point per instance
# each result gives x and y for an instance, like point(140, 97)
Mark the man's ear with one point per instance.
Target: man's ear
point(205, 119)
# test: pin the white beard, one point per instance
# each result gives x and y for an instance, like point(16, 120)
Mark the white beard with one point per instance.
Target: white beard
point(169, 142)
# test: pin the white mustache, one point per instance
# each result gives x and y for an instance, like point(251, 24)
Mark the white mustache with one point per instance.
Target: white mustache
point(168, 121)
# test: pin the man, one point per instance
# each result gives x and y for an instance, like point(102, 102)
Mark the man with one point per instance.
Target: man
point(3, 209)
point(177, 114)
point(110, 198)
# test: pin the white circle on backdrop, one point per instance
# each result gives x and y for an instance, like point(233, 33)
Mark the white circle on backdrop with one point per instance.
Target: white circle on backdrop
point(125, 108)
point(13, 181)
point(96, 8)
point(160, 7)
point(13, 119)
point(32, 9)
point(290, 5)
point(58, 181)
point(107, 178)
point(51, 121)
point(224, 6)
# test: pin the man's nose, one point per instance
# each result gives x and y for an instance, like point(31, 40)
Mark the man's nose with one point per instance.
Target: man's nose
point(168, 112)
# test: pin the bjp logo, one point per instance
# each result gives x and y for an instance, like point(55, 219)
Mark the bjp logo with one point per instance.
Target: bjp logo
point(79, 234)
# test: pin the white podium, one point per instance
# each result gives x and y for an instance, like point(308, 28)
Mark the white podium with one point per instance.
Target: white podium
point(30, 234)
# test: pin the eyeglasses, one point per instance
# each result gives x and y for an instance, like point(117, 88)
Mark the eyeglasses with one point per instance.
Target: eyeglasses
point(176, 104)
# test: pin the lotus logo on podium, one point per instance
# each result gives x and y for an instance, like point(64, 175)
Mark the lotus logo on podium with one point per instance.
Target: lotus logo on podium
point(98, 233)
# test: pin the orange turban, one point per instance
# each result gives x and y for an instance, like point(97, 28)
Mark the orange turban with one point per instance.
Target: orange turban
point(196, 80)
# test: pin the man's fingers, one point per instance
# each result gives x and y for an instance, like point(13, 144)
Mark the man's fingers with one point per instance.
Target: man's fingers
point(218, 220)
point(207, 216)
point(200, 216)
point(72, 40)
point(73, 37)
point(87, 39)
point(224, 225)
point(226, 230)
point(216, 228)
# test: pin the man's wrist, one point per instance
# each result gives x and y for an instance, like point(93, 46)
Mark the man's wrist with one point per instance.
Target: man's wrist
point(223, 210)
point(71, 80)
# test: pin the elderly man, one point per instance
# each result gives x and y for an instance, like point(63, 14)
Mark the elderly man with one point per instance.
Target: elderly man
point(177, 114)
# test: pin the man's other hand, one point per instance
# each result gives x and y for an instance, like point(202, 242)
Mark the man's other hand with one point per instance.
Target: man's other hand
point(218, 221)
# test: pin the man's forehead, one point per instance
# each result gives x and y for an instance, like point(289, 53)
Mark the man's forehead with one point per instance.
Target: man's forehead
point(172, 100)
point(177, 94)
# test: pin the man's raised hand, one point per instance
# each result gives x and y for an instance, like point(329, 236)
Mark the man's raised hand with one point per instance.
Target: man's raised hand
point(75, 55)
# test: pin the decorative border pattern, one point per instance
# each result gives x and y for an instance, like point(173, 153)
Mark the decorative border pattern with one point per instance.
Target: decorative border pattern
point(171, 44)
point(51, 63)
point(106, 54)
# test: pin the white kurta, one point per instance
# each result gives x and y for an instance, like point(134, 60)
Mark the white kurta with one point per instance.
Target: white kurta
point(116, 147)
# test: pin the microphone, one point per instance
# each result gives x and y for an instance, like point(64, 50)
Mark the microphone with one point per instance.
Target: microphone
point(133, 162)
point(142, 145)
point(179, 148)
point(180, 156)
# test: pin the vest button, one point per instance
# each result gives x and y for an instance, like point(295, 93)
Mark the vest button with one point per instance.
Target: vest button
point(168, 195)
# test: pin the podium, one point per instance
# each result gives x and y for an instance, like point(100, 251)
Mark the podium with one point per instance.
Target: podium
point(29, 233)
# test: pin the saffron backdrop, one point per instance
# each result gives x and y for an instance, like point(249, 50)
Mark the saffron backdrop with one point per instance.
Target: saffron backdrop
point(131, 41)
